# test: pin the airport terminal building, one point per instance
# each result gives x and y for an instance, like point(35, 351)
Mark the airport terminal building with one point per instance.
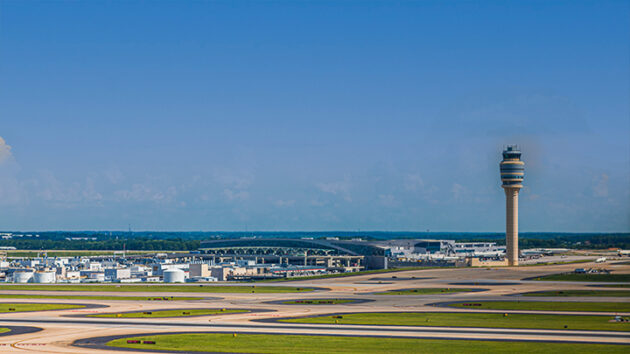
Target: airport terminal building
point(331, 253)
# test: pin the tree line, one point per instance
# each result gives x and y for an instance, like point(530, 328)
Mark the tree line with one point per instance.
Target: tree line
point(137, 244)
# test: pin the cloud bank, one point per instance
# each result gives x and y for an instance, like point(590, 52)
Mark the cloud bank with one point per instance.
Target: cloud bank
point(5, 151)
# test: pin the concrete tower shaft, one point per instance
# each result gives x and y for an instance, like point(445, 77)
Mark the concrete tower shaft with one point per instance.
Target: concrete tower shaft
point(512, 173)
point(511, 225)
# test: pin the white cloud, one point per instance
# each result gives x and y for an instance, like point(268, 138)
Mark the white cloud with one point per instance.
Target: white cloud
point(317, 203)
point(90, 192)
point(413, 182)
point(52, 190)
point(458, 191)
point(114, 175)
point(387, 200)
point(48, 188)
point(235, 186)
point(600, 189)
point(138, 192)
point(12, 191)
point(5, 151)
point(228, 178)
point(341, 188)
point(165, 196)
point(284, 203)
point(143, 193)
point(235, 194)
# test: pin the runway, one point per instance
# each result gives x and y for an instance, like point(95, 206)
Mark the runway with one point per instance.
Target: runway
point(59, 331)
point(363, 330)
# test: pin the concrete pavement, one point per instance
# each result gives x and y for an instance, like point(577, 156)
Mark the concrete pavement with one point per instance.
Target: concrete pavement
point(59, 331)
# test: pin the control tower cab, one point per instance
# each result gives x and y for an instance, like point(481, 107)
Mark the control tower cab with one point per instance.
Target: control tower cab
point(512, 168)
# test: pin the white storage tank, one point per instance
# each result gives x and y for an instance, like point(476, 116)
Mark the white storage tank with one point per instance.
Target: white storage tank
point(173, 276)
point(44, 277)
point(22, 276)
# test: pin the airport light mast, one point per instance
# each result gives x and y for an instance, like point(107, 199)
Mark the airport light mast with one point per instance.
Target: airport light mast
point(512, 172)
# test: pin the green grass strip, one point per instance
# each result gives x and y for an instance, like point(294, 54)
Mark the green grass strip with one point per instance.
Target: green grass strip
point(486, 320)
point(425, 291)
point(302, 344)
point(20, 307)
point(586, 277)
point(545, 306)
point(613, 286)
point(160, 288)
point(98, 297)
point(4, 330)
point(567, 293)
point(168, 313)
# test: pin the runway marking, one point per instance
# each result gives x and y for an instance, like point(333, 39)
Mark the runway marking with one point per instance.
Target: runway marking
point(15, 344)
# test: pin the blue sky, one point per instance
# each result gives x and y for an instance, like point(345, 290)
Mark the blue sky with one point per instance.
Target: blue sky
point(310, 115)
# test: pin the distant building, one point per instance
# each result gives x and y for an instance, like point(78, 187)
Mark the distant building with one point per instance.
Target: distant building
point(199, 270)
point(114, 274)
point(434, 246)
point(479, 249)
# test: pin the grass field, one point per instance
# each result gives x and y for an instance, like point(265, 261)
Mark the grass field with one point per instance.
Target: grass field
point(20, 307)
point(425, 291)
point(318, 302)
point(160, 288)
point(586, 277)
point(168, 313)
point(489, 320)
point(612, 285)
point(97, 297)
point(565, 293)
point(545, 306)
point(301, 344)
point(4, 330)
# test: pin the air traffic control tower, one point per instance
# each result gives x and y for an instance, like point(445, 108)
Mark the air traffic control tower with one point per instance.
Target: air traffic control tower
point(512, 171)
